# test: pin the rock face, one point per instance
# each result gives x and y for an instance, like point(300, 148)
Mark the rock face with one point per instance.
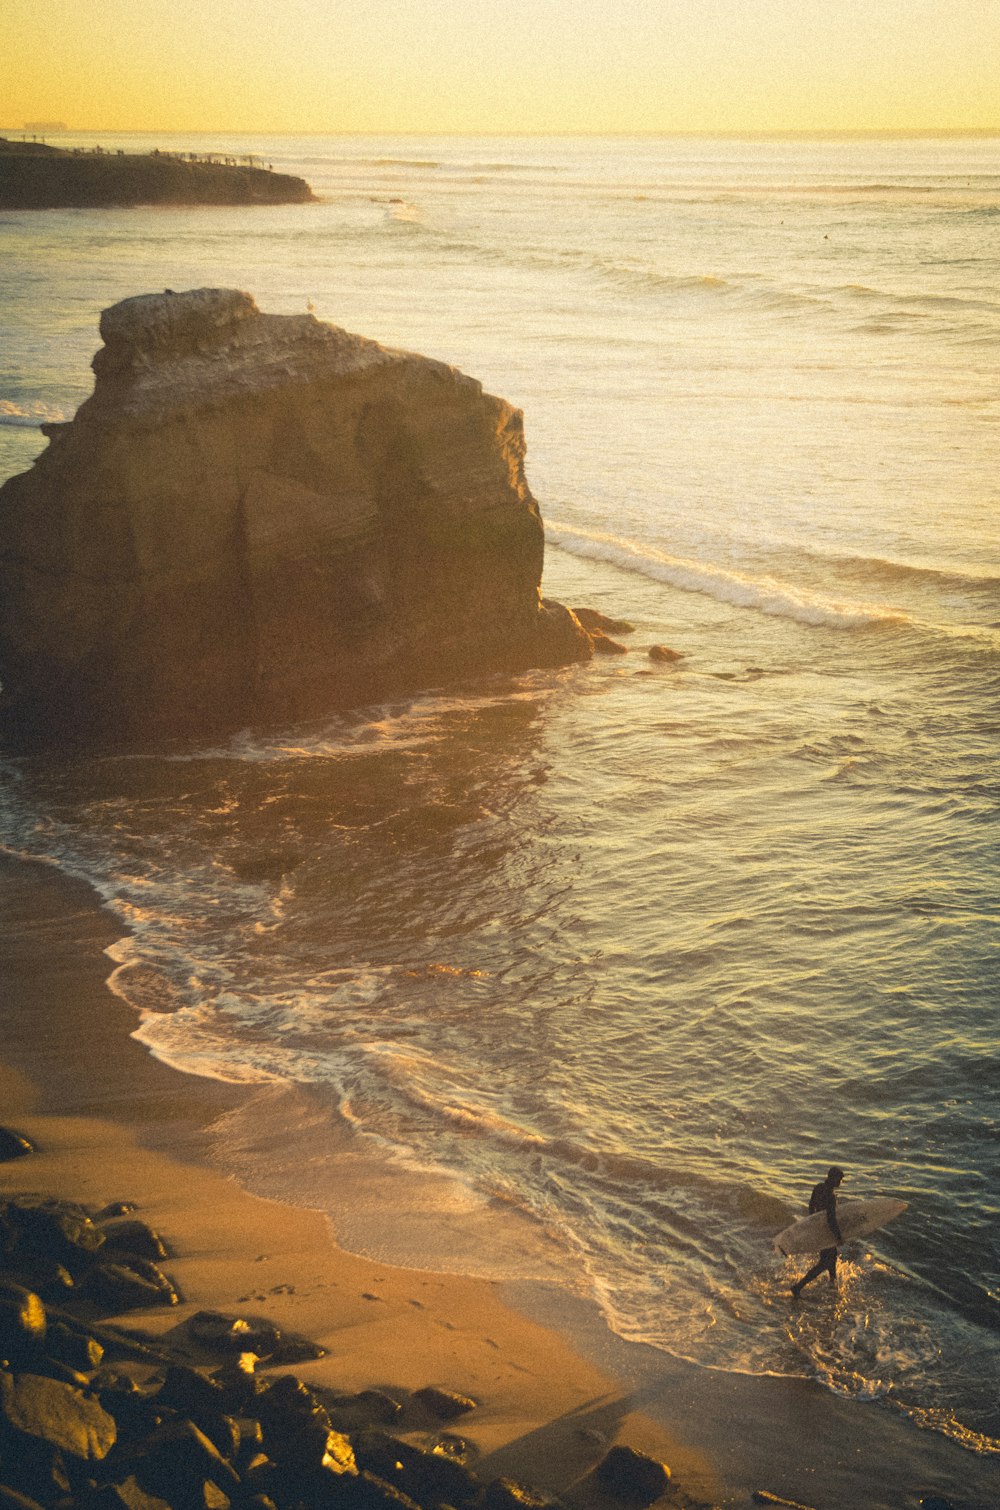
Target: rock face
point(37, 177)
point(258, 518)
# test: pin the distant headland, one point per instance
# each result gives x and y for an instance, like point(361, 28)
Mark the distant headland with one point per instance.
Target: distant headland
point(35, 176)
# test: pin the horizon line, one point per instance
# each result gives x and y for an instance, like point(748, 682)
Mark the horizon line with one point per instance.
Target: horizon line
point(743, 134)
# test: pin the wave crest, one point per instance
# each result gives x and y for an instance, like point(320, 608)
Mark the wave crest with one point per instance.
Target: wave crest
point(28, 416)
point(764, 594)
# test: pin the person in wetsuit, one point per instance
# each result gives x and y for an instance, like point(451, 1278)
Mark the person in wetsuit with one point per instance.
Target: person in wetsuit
point(824, 1198)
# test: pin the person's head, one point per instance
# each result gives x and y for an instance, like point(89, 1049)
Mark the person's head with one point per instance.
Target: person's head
point(834, 1176)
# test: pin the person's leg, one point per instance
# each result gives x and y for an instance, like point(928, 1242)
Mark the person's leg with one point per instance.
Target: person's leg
point(807, 1279)
point(825, 1264)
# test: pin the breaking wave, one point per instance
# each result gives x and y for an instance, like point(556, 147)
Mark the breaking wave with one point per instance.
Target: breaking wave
point(27, 416)
point(765, 594)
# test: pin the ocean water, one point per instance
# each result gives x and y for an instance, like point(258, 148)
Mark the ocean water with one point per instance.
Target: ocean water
point(591, 973)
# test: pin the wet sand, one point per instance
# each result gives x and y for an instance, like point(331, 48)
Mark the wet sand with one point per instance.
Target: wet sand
point(112, 1123)
point(555, 1386)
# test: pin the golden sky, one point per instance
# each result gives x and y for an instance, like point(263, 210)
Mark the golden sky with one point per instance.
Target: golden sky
point(501, 65)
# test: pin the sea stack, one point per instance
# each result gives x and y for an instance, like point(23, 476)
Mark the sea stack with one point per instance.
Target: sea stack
point(260, 518)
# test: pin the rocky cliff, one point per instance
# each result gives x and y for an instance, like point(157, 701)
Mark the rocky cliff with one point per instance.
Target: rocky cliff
point(34, 176)
point(258, 518)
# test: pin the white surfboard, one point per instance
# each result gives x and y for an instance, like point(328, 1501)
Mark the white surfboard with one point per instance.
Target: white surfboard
point(855, 1219)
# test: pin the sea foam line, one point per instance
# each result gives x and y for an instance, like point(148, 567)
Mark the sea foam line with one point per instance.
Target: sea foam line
point(764, 594)
point(27, 418)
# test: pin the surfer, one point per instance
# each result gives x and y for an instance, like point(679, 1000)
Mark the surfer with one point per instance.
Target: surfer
point(824, 1198)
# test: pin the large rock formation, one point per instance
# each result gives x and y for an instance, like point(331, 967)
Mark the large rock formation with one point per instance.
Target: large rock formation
point(257, 518)
point(34, 176)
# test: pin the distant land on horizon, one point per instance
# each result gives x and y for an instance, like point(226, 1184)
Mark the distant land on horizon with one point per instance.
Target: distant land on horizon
point(37, 176)
point(778, 133)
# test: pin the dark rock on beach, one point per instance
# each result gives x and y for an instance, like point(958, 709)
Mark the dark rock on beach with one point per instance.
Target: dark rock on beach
point(508, 1494)
point(128, 1286)
point(78, 1434)
point(125, 1234)
point(428, 1477)
point(45, 1410)
point(261, 518)
point(23, 1322)
point(632, 1475)
point(35, 176)
point(369, 1407)
point(13, 1146)
point(664, 654)
point(53, 1232)
point(444, 1403)
point(241, 1334)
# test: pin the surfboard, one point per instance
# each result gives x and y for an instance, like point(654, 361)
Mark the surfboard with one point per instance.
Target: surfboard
point(855, 1218)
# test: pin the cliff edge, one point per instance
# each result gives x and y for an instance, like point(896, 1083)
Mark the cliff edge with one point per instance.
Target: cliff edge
point(259, 518)
point(35, 176)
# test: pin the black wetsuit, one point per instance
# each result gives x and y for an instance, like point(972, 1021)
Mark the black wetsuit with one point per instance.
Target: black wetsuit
point(823, 1198)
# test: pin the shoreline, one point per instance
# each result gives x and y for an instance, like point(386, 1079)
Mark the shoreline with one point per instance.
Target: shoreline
point(115, 1126)
point(115, 1123)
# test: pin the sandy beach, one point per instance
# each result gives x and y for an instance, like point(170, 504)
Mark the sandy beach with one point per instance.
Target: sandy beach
point(111, 1123)
point(554, 1387)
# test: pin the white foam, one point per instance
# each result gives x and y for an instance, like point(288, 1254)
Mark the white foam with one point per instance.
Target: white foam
point(27, 417)
point(765, 594)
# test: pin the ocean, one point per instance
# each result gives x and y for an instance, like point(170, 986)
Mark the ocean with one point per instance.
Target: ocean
point(589, 974)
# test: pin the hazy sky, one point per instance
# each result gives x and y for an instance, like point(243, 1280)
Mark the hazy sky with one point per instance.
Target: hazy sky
point(500, 65)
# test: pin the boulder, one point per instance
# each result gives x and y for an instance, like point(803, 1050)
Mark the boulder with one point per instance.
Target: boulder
point(54, 1283)
point(56, 1414)
point(135, 1413)
point(128, 1235)
point(632, 1475)
point(368, 1492)
point(176, 1461)
point(297, 1428)
point(604, 645)
point(23, 1322)
point(226, 1333)
point(259, 518)
point(10, 1499)
point(52, 1368)
point(250, 1441)
point(185, 1390)
point(427, 1477)
point(371, 1407)
point(664, 654)
point(591, 619)
point(443, 1403)
point(128, 1495)
point(34, 1468)
point(238, 1383)
point(128, 1286)
point(13, 1145)
point(508, 1494)
point(52, 1232)
point(77, 1349)
point(222, 1431)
